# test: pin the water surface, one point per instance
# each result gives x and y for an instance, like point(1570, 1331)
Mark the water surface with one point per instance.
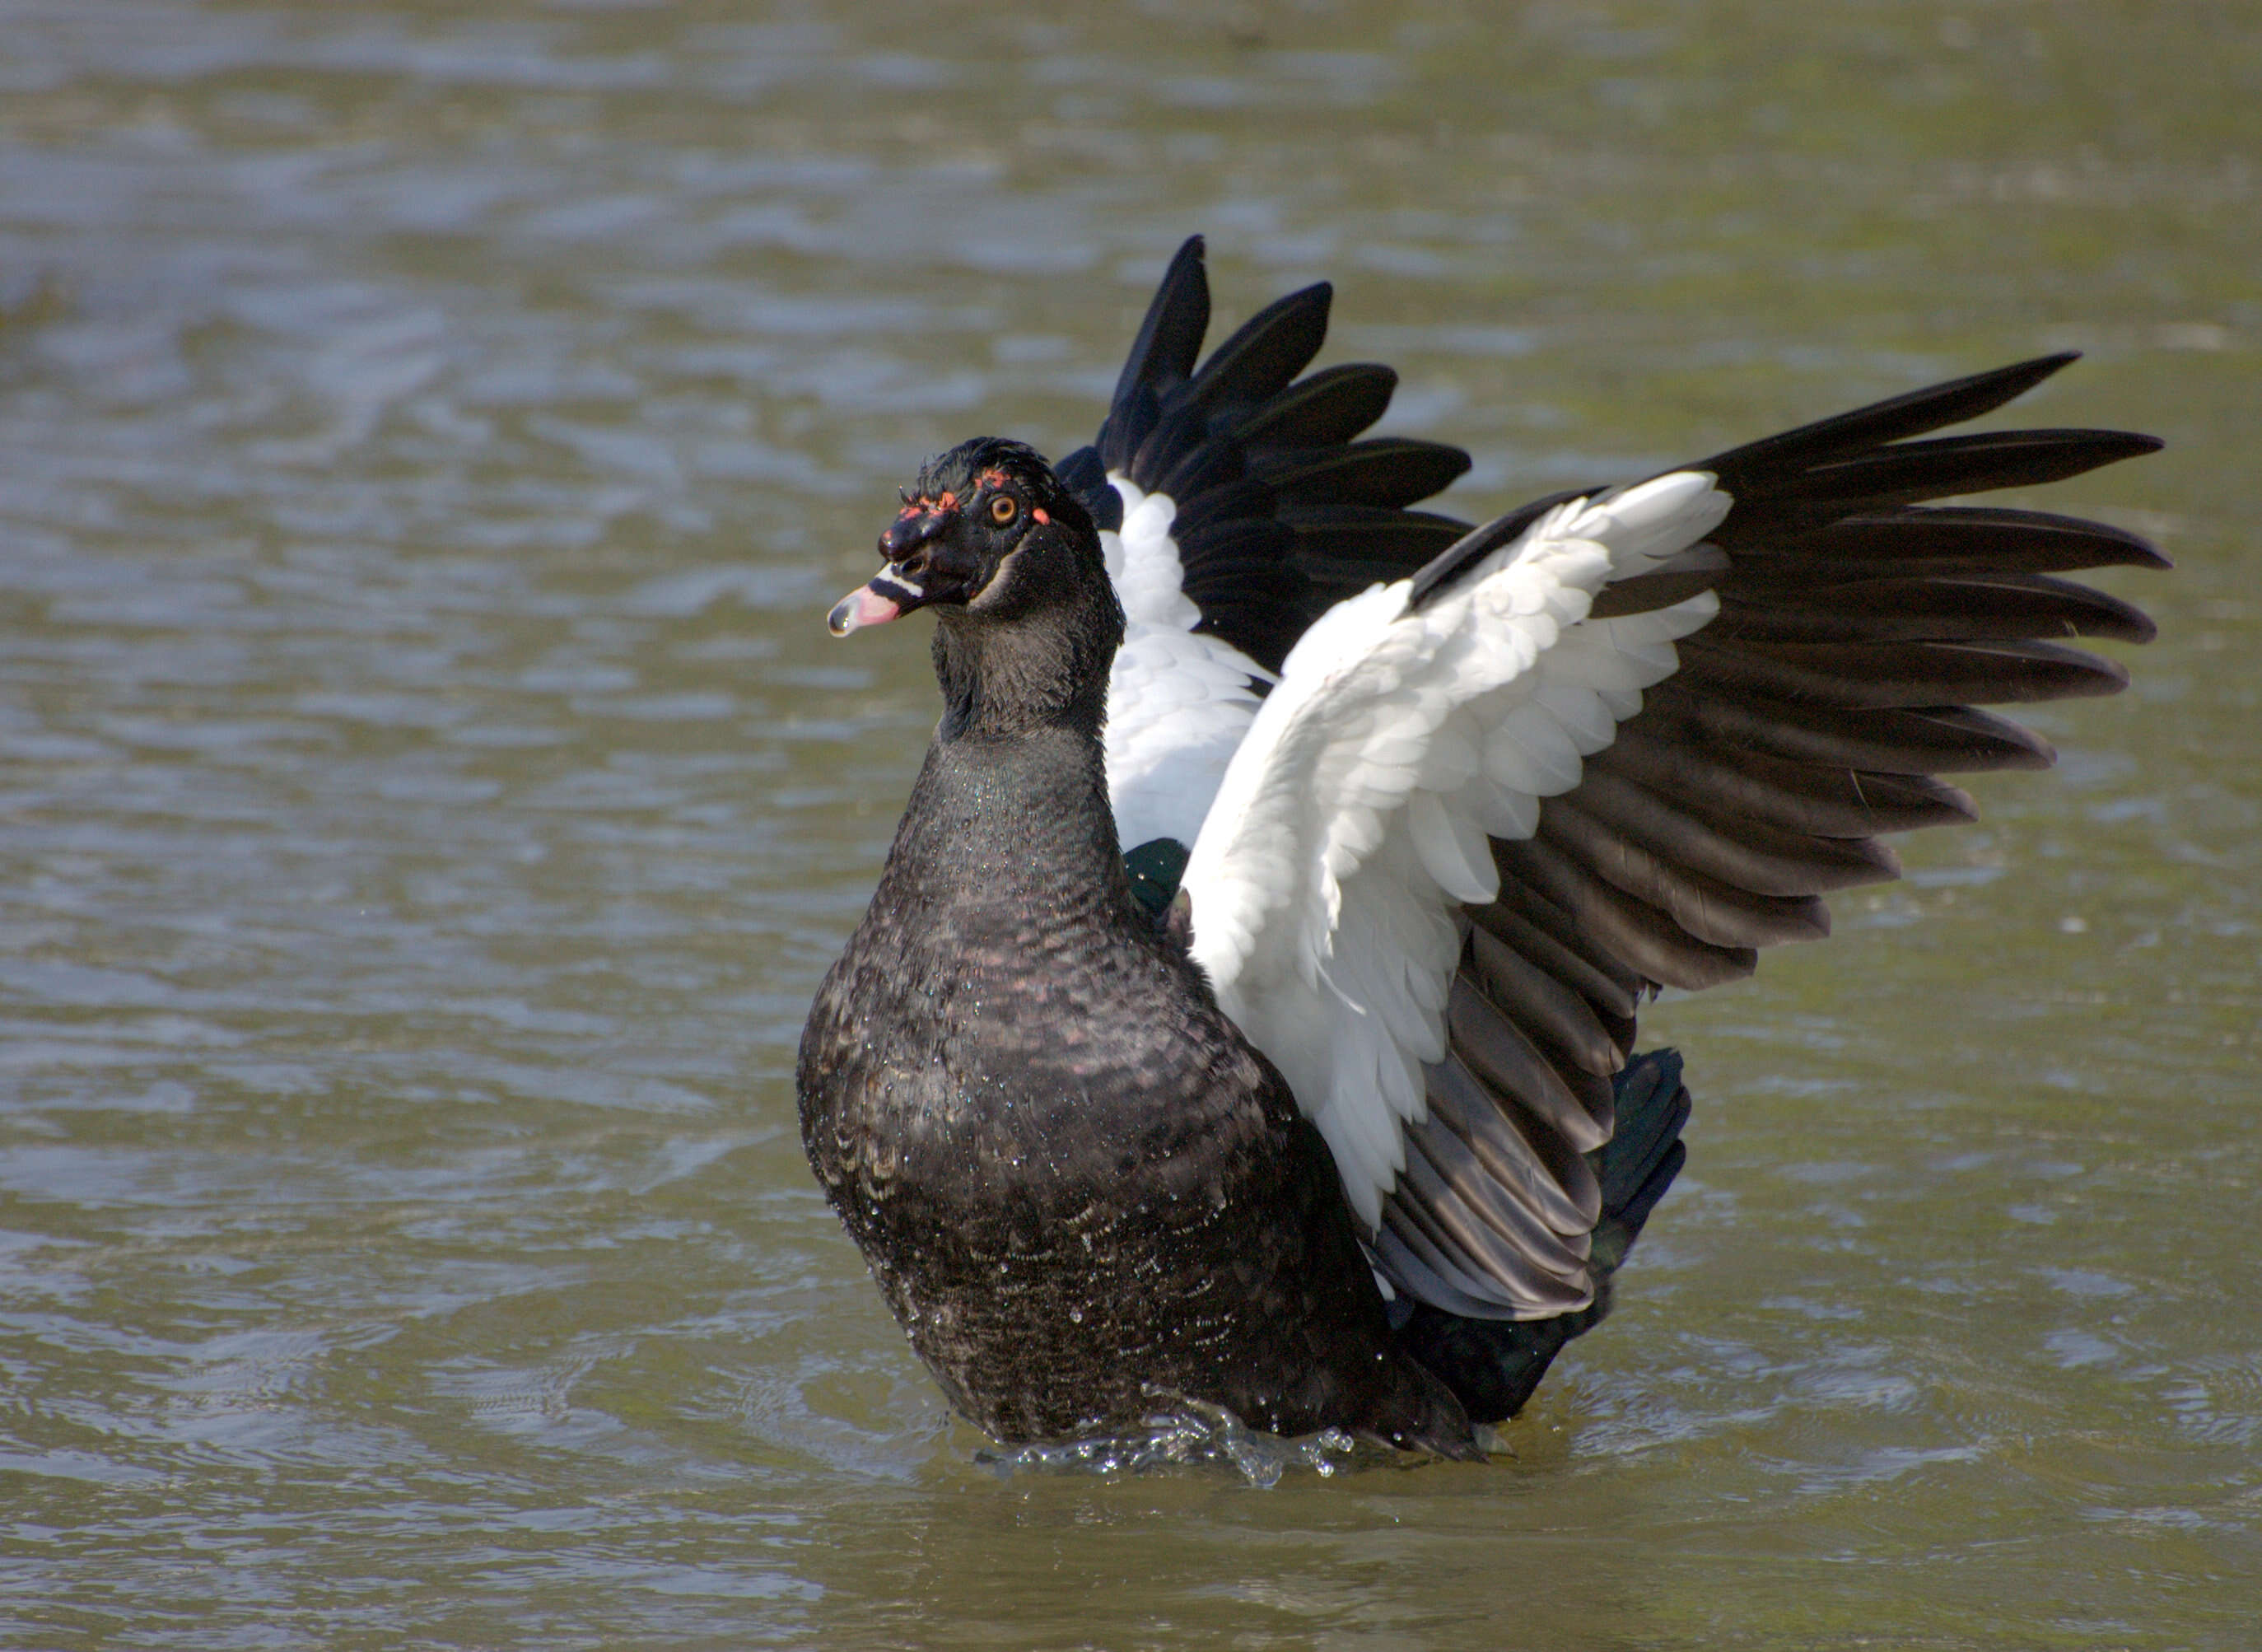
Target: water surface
point(429, 441)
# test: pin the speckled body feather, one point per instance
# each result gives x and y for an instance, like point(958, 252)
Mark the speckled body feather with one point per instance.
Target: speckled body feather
point(1080, 1189)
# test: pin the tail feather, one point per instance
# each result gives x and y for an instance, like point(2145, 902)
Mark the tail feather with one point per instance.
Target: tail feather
point(1492, 1366)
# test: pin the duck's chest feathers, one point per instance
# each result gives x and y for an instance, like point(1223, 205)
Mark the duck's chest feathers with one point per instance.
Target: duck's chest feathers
point(1075, 1182)
point(1005, 1017)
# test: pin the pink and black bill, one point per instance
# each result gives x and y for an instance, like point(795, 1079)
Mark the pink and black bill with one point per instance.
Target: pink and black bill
point(926, 564)
point(875, 603)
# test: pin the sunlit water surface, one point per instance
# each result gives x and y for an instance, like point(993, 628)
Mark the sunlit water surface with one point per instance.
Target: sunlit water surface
point(429, 438)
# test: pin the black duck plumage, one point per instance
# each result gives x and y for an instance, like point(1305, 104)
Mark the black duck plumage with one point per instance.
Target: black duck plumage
point(1078, 1185)
point(1493, 1365)
point(1282, 512)
point(1075, 1181)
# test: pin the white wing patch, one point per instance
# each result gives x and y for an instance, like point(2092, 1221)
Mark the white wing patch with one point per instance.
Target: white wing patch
point(1352, 820)
point(1178, 702)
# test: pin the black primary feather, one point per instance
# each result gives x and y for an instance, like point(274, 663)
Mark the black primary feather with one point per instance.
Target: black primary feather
point(1161, 355)
point(1762, 465)
point(1239, 439)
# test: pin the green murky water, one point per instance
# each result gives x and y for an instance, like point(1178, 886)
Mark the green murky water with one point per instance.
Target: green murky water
point(429, 437)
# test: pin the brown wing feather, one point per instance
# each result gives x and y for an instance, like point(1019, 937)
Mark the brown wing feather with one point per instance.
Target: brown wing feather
point(1858, 632)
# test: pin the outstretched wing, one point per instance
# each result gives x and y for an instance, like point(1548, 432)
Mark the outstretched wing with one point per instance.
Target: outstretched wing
point(1354, 824)
point(1236, 507)
point(1606, 744)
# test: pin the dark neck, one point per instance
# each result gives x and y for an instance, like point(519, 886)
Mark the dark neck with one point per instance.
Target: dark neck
point(1014, 795)
point(1016, 827)
point(1003, 679)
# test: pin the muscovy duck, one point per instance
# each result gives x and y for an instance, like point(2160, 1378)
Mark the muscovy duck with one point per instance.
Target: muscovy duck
point(1320, 1104)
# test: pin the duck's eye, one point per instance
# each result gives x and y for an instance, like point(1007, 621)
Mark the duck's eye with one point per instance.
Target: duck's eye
point(1003, 508)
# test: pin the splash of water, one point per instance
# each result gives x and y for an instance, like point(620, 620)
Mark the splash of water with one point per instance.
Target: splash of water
point(1189, 1433)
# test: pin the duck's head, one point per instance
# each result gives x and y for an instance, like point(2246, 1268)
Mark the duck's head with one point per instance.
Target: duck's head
point(988, 532)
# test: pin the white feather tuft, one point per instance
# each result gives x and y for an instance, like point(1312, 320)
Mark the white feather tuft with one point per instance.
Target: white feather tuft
point(1178, 702)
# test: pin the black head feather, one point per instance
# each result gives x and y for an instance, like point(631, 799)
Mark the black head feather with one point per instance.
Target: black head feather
point(974, 470)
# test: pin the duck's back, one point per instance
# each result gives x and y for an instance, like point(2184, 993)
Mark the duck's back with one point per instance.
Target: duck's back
point(1080, 1189)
